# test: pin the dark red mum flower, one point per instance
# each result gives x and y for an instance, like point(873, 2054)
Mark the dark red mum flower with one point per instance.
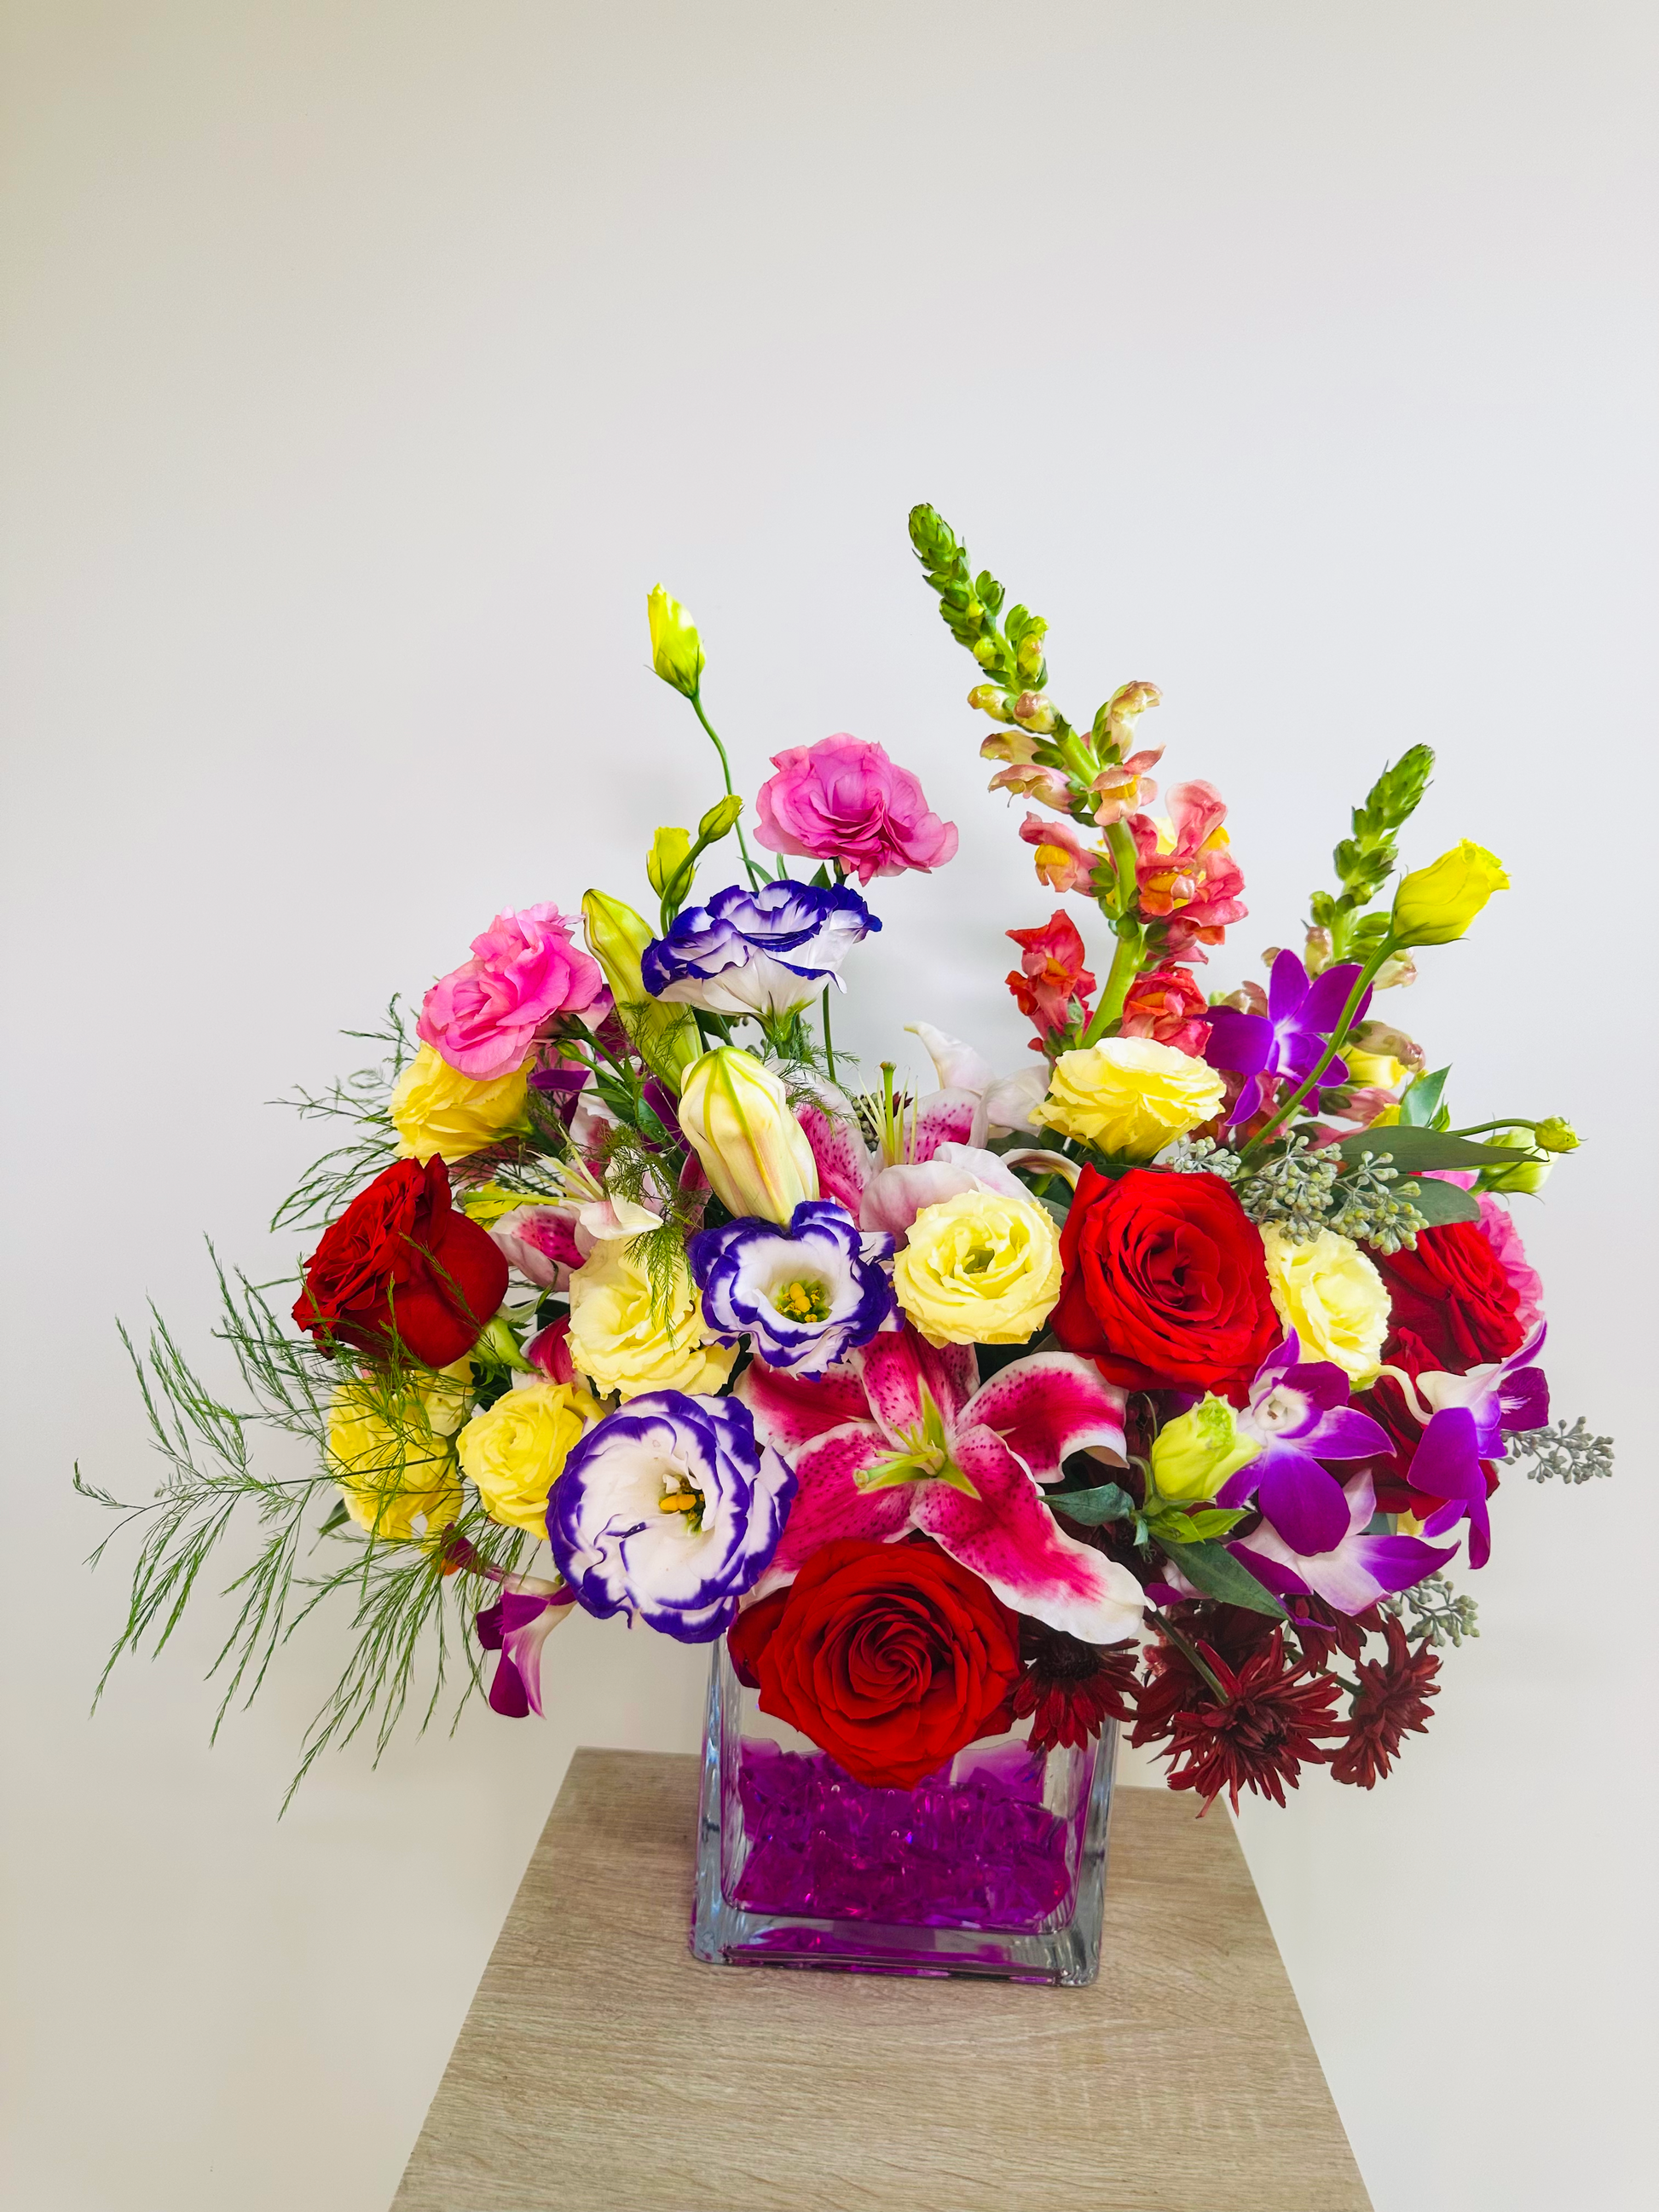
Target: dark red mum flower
point(1069, 1688)
point(1392, 1703)
point(1256, 1736)
point(1321, 1629)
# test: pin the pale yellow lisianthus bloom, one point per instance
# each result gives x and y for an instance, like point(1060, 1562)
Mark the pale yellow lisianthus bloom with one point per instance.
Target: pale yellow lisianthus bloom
point(437, 1110)
point(1196, 1452)
point(1331, 1296)
point(514, 1451)
point(626, 1337)
point(980, 1268)
point(389, 1439)
point(1130, 1095)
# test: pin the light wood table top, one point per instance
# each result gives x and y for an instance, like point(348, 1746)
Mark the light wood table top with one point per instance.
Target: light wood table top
point(602, 2067)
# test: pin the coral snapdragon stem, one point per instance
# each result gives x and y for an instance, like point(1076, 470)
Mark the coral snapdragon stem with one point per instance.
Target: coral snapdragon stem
point(1333, 1045)
point(756, 876)
point(1126, 966)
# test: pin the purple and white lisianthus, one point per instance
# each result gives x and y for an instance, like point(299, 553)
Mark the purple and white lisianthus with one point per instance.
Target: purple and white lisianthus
point(807, 1294)
point(1300, 1413)
point(765, 952)
point(1288, 1039)
point(669, 1511)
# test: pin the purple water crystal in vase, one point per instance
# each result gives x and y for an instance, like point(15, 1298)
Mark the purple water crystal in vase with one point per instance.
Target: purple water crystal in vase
point(995, 1865)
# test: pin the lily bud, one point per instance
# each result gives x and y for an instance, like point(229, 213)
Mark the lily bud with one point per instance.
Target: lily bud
point(1528, 1174)
point(675, 648)
point(1435, 905)
point(1555, 1135)
point(665, 1035)
point(734, 1114)
point(669, 851)
point(1194, 1453)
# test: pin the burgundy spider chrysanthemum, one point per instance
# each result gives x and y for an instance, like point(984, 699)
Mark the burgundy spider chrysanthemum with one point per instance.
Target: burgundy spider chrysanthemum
point(1258, 1736)
point(1071, 1688)
point(1392, 1702)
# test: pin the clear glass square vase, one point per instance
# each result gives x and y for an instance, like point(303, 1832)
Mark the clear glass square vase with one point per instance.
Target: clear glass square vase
point(995, 1867)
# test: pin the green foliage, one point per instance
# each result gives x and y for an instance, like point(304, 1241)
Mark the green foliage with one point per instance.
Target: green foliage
point(1214, 1570)
point(1420, 1106)
point(1430, 1612)
point(363, 1099)
point(1364, 860)
point(1009, 652)
point(1090, 1508)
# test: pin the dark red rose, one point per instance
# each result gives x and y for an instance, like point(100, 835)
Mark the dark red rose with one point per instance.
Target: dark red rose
point(889, 1656)
point(401, 1261)
point(1453, 1308)
point(1165, 1285)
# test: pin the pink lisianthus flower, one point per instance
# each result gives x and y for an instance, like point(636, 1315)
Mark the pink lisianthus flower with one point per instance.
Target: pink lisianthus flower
point(843, 800)
point(1187, 876)
point(1501, 1233)
point(525, 970)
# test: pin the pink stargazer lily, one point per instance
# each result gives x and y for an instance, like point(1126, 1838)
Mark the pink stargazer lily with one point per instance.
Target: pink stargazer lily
point(903, 1436)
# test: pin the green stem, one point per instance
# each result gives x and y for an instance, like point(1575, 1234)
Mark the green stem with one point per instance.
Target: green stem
point(829, 1043)
point(1479, 1128)
point(756, 876)
point(1338, 1038)
point(1165, 1626)
point(1126, 966)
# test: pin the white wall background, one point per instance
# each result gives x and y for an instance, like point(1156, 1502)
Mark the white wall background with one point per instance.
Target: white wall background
point(364, 365)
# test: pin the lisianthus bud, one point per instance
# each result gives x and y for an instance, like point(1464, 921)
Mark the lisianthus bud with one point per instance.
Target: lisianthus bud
point(1555, 1135)
point(720, 819)
point(1194, 1453)
point(675, 648)
point(1435, 905)
point(669, 851)
point(734, 1114)
point(666, 1035)
point(1528, 1174)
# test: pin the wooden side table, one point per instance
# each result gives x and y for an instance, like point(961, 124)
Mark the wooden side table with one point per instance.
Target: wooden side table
point(602, 2069)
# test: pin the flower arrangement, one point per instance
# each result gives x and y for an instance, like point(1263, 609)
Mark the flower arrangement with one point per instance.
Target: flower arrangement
point(1159, 1381)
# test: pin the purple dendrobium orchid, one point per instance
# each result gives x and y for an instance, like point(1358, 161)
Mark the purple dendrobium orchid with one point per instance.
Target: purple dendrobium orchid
point(900, 1438)
point(1465, 1418)
point(1300, 1413)
point(517, 1626)
point(1349, 1575)
point(1287, 1040)
point(765, 951)
point(668, 1510)
point(807, 1294)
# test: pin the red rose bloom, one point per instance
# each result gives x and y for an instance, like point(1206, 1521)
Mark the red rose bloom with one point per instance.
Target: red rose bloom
point(889, 1656)
point(400, 1262)
point(1165, 1284)
point(1453, 1308)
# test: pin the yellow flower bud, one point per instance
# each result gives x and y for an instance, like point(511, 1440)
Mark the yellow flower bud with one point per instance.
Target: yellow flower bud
point(734, 1113)
point(1435, 905)
point(720, 819)
point(1555, 1135)
point(666, 1035)
point(1194, 1453)
point(669, 851)
point(987, 699)
point(675, 648)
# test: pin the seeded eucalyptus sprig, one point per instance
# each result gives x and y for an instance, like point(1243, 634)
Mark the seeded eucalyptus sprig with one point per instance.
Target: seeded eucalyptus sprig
point(1364, 861)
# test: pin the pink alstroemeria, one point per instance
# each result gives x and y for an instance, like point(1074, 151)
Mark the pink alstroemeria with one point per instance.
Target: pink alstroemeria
point(900, 1438)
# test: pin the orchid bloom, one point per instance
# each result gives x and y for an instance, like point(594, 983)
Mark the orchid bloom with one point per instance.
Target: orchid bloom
point(1464, 1420)
point(1287, 1040)
point(901, 1438)
point(517, 1626)
point(1299, 1414)
point(1186, 874)
point(933, 1150)
point(1352, 1572)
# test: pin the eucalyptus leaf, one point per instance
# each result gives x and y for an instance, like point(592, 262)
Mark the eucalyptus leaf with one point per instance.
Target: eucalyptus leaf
point(1411, 1149)
point(1422, 1100)
point(1214, 1570)
point(1439, 1202)
point(1090, 1507)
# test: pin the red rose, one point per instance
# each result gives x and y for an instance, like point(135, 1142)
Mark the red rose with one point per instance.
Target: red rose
point(1165, 1284)
point(888, 1657)
point(1453, 1306)
point(401, 1261)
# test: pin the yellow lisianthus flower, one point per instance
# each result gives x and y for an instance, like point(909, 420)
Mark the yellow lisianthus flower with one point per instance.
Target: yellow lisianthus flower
point(980, 1268)
point(390, 1441)
point(437, 1110)
point(628, 1337)
point(676, 653)
point(1435, 905)
point(1330, 1293)
point(1130, 1095)
point(1196, 1452)
point(515, 1450)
